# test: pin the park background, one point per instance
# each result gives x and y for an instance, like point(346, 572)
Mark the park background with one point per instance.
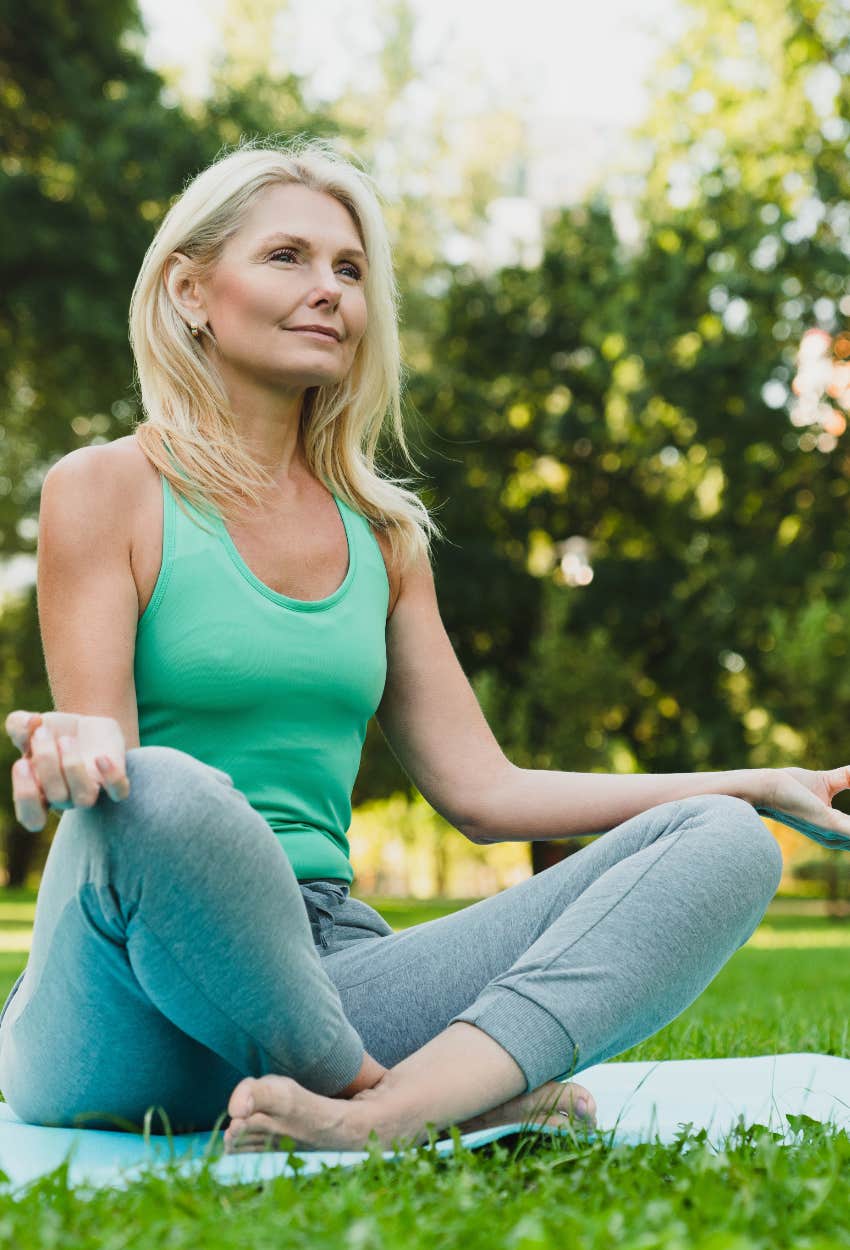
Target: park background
point(622, 244)
point(622, 234)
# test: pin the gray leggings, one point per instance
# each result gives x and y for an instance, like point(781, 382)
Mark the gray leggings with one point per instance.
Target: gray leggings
point(174, 952)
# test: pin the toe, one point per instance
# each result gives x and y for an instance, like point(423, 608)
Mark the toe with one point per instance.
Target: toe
point(243, 1145)
point(242, 1100)
point(261, 1123)
point(246, 1135)
point(266, 1132)
point(272, 1094)
point(577, 1092)
point(574, 1092)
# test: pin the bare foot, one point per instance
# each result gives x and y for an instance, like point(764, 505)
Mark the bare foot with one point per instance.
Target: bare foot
point(267, 1108)
point(540, 1106)
point(264, 1109)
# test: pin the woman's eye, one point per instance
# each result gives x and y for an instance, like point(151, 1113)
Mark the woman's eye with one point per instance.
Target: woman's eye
point(289, 252)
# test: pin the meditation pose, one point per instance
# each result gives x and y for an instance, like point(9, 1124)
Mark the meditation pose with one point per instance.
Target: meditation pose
point(226, 596)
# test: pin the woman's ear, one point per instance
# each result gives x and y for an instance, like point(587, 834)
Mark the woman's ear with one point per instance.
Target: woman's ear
point(183, 287)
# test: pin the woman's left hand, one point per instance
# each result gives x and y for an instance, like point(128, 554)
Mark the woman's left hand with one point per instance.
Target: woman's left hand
point(802, 798)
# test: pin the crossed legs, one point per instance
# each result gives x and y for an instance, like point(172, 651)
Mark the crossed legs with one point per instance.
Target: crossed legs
point(173, 965)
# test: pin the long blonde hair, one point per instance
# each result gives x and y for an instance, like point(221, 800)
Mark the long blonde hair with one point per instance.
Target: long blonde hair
point(189, 429)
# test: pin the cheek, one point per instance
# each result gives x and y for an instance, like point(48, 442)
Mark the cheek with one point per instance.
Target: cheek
point(237, 298)
point(359, 320)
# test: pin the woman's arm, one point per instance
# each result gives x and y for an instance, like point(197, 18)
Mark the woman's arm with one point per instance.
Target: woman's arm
point(87, 599)
point(437, 730)
point(434, 725)
point(532, 803)
point(537, 804)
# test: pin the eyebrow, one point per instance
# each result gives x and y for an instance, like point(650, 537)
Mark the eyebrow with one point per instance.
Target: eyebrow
point(308, 247)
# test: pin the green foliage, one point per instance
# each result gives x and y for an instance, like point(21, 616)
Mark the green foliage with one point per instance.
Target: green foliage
point(620, 397)
point(831, 872)
point(93, 150)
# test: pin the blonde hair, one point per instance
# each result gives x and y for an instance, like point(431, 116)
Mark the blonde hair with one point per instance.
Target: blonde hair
point(189, 430)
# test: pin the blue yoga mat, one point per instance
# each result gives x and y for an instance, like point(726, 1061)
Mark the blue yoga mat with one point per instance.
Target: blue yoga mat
point(826, 837)
point(636, 1102)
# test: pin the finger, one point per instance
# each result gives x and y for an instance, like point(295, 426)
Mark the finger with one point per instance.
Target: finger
point(30, 803)
point(115, 778)
point(83, 787)
point(19, 726)
point(44, 760)
point(837, 779)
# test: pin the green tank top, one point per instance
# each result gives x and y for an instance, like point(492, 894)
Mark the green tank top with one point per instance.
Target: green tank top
point(275, 691)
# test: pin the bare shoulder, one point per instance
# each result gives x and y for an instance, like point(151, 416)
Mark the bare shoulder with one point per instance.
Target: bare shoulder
point(134, 478)
point(393, 574)
point(106, 477)
point(119, 467)
point(112, 484)
point(413, 588)
point(130, 463)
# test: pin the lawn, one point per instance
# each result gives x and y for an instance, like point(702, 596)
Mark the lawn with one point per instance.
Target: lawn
point(786, 990)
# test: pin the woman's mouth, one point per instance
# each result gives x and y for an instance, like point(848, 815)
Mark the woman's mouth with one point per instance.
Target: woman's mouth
point(322, 335)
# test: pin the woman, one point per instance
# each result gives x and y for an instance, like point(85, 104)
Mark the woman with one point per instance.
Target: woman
point(226, 596)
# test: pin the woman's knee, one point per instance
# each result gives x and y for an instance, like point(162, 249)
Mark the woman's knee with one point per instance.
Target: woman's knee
point(751, 846)
point(158, 765)
point(169, 789)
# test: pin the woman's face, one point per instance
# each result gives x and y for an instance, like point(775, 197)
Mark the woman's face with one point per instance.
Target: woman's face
point(296, 260)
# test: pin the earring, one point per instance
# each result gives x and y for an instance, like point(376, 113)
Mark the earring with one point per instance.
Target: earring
point(195, 328)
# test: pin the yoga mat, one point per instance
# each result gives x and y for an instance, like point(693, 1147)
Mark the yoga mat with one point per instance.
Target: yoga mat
point(636, 1102)
point(829, 838)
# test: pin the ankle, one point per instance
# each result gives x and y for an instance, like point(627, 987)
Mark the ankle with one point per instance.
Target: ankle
point(378, 1113)
point(371, 1072)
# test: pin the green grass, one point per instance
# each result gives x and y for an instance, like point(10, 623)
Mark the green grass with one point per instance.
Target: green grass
point(772, 996)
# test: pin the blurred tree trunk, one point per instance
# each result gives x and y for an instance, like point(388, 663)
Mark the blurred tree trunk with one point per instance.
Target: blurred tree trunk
point(441, 865)
point(547, 853)
point(23, 684)
point(19, 854)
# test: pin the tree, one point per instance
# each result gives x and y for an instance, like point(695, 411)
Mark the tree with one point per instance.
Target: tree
point(80, 114)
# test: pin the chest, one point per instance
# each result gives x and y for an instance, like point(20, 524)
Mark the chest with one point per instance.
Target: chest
point(299, 551)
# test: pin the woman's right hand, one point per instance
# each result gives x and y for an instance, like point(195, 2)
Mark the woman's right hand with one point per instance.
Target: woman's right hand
point(65, 764)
